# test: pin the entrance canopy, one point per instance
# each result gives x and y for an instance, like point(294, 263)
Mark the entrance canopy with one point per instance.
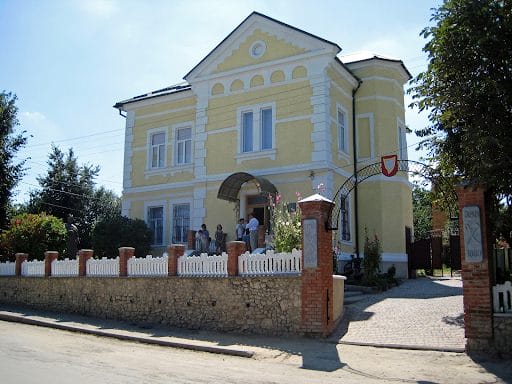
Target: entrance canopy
point(231, 186)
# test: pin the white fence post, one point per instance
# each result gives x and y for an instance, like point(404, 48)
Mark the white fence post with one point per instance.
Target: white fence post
point(502, 297)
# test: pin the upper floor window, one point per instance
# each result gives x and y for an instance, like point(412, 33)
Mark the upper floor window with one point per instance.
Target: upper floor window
point(157, 150)
point(155, 221)
point(342, 130)
point(183, 146)
point(257, 129)
point(402, 141)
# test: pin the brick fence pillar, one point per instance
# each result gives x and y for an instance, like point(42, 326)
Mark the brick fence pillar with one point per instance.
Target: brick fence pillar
point(476, 277)
point(191, 239)
point(49, 257)
point(124, 254)
point(83, 256)
point(235, 249)
point(174, 251)
point(20, 259)
point(317, 317)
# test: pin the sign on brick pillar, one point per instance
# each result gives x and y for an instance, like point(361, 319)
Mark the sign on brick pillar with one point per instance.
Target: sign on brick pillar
point(316, 279)
point(124, 254)
point(83, 256)
point(235, 249)
point(20, 259)
point(174, 251)
point(478, 316)
point(49, 257)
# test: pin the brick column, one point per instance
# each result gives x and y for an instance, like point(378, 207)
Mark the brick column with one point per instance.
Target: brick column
point(191, 239)
point(235, 249)
point(49, 257)
point(476, 276)
point(124, 254)
point(317, 315)
point(174, 251)
point(83, 256)
point(20, 259)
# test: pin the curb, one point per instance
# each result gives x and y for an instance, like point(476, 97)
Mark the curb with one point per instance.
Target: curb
point(144, 340)
point(403, 346)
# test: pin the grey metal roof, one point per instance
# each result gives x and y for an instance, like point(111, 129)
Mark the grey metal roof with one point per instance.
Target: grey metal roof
point(230, 187)
point(159, 92)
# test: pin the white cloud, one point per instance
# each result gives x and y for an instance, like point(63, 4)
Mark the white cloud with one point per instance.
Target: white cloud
point(99, 8)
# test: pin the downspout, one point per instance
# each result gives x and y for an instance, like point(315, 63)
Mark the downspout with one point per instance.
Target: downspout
point(354, 158)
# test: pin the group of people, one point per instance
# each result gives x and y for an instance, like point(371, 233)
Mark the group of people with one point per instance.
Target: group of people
point(247, 232)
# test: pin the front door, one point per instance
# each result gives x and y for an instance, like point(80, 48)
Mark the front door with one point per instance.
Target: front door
point(257, 205)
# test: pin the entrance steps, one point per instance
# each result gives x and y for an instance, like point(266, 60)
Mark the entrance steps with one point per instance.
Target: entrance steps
point(354, 293)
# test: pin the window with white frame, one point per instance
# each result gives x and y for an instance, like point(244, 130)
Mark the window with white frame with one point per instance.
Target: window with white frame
point(342, 130)
point(402, 141)
point(180, 222)
point(257, 129)
point(155, 221)
point(345, 218)
point(157, 150)
point(183, 147)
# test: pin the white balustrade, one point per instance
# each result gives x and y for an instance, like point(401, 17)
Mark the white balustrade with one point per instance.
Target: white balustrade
point(103, 267)
point(502, 297)
point(203, 265)
point(148, 266)
point(270, 263)
point(65, 267)
point(8, 268)
point(32, 268)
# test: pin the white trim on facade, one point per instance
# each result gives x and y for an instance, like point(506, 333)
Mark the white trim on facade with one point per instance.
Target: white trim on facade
point(394, 257)
point(157, 204)
point(149, 135)
point(382, 98)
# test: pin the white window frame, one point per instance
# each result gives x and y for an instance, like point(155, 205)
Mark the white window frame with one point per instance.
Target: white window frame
point(371, 119)
point(175, 130)
point(349, 222)
point(157, 204)
point(150, 135)
point(257, 131)
point(171, 209)
point(402, 140)
point(342, 136)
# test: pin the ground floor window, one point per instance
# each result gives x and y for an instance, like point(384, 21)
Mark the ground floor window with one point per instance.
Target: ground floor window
point(156, 224)
point(180, 222)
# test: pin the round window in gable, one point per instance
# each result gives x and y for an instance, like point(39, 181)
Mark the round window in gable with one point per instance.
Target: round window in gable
point(258, 49)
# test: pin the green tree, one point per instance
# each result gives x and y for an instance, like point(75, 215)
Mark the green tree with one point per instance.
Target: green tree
point(421, 212)
point(33, 234)
point(69, 189)
point(10, 143)
point(118, 231)
point(467, 91)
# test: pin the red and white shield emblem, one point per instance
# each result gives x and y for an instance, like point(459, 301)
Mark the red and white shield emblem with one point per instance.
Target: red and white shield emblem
point(389, 165)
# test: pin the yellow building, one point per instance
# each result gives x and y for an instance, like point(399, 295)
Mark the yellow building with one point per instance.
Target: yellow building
point(271, 109)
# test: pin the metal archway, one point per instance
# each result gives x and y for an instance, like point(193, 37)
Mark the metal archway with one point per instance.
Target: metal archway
point(409, 166)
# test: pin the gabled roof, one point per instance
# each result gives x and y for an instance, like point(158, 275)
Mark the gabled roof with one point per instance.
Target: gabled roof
point(255, 17)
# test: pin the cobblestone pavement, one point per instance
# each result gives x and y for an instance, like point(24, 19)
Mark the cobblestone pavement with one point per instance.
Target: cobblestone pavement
point(423, 313)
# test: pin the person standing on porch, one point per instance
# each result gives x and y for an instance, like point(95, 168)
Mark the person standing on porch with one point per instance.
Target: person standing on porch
point(253, 226)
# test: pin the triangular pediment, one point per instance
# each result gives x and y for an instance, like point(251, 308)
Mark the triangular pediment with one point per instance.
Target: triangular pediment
point(257, 40)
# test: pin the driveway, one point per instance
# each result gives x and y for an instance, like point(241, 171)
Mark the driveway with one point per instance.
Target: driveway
point(424, 313)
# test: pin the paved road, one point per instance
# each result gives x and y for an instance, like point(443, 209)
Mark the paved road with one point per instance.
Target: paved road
point(424, 313)
point(30, 354)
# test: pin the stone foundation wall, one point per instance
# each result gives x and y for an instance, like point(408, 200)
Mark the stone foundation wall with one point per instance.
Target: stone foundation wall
point(503, 334)
point(262, 305)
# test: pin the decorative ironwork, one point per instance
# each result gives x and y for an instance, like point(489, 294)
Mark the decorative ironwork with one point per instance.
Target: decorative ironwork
point(404, 166)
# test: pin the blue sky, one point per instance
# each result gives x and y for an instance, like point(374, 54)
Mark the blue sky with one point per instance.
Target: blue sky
point(69, 61)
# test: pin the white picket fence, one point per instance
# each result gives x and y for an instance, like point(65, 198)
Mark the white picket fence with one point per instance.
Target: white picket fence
point(65, 267)
point(503, 292)
point(32, 268)
point(270, 263)
point(103, 267)
point(203, 265)
point(8, 268)
point(148, 266)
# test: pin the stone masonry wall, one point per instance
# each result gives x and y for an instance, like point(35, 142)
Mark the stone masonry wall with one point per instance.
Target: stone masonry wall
point(503, 334)
point(263, 305)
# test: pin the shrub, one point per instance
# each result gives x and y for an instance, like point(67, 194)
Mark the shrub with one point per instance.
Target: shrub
point(372, 258)
point(118, 231)
point(33, 234)
point(285, 225)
